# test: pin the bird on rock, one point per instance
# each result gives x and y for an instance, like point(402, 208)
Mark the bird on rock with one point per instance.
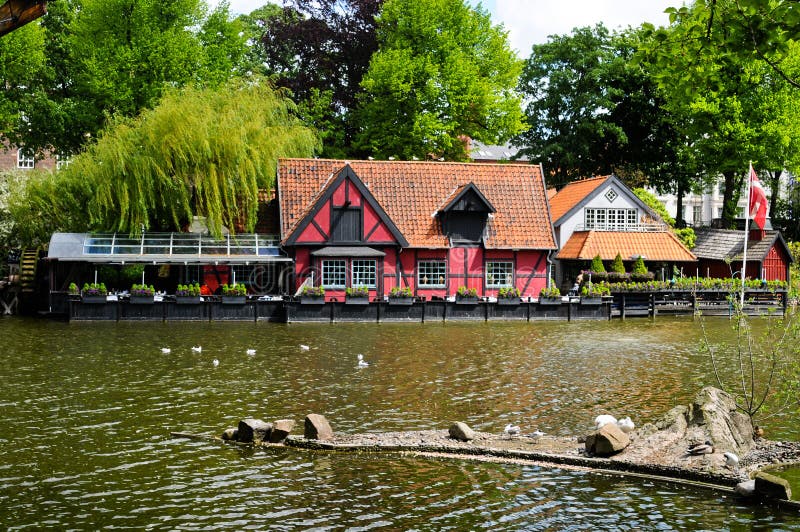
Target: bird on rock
point(731, 460)
point(536, 434)
point(361, 362)
point(166, 350)
point(604, 419)
point(197, 349)
point(626, 425)
point(701, 448)
point(511, 430)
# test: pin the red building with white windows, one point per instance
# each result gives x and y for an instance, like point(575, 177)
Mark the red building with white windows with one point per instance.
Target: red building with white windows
point(429, 226)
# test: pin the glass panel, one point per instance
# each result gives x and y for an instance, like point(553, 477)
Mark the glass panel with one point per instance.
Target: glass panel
point(432, 274)
point(499, 274)
point(364, 273)
point(334, 273)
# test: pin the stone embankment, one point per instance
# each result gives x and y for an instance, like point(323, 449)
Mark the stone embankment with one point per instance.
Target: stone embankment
point(657, 450)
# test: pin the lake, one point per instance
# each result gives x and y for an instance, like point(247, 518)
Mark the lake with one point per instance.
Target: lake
point(87, 408)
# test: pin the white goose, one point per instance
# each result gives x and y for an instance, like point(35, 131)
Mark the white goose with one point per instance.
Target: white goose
point(197, 349)
point(251, 352)
point(361, 362)
point(604, 419)
point(626, 425)
point(731, 460)
point(215, 362)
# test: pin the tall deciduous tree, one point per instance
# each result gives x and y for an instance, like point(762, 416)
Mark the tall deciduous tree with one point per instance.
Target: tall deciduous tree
point(201, 151)
point(21, 61)
point(442, 71)
point(320, 49)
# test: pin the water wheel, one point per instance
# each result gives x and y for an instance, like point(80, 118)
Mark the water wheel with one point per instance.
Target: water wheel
point(27, 270)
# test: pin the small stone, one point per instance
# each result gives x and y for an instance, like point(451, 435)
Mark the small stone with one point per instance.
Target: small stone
point(253, 430)
point(461, 431)
point(317, 428)
point(230, 434)
point(772, 487)
point(746, 488)
point(280, 429)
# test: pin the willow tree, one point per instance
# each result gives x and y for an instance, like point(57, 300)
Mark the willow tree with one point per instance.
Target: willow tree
point(200, 152)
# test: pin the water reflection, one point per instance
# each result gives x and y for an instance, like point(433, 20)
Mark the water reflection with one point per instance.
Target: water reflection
point(87, 409)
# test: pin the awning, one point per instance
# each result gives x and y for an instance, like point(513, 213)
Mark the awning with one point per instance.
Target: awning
point(347, 251)
point(165, 248)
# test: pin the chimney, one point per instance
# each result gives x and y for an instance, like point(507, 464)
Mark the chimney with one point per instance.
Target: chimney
point(756, 234)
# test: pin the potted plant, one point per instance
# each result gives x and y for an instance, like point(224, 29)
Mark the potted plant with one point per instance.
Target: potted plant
point(592, 293)
point(141, 294)
point(356, 295)
point(234, 294)
point(401, 296)
point(508, 296)
point(94, 293)
point(312, 295)
point(550, 296)
point(74, 292)
point(466, 296)
point(188, 294)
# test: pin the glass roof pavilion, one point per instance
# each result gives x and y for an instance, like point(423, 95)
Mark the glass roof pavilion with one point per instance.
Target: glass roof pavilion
point(165, 248)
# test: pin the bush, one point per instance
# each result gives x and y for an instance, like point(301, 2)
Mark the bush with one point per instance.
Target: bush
point(639, 267)
point(597, 264)
point(617, 266)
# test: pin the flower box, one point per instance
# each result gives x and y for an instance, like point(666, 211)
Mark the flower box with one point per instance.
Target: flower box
point(591, 300)
point(508, 301)
point(93, 300)
point(466, 300)
point(234, 300)
point(549, 300)
point(188, 300)
point(312, 300)
point(401, 301)
point(356, 300)
point(142, 300)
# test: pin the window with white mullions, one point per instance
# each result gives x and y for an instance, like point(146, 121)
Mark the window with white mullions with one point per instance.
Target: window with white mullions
point(364, 273)
point(334, 273)
point(499, 274)
point(431, 274)
point(25, 159)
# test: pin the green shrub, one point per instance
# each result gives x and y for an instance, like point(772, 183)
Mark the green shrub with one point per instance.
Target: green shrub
point(597, 265)
point(617, 266)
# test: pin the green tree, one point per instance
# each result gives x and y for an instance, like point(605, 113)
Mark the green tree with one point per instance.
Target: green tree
point(597, 264)
point(638, 266)
point(442, 71)
point(21, 60)
point(201, 152)
point(618, 266)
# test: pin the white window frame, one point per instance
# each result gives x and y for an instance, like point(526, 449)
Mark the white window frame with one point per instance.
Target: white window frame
point(507, 270)
point(432, 267)
point(62, 161)
point(25, 160)
point(363, 273)
point(331, 271)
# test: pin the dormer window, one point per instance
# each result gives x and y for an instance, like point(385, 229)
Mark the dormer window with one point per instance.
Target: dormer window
point(346, 225)
point(465, 214)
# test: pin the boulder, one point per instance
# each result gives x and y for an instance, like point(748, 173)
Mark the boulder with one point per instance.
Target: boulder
point(317, 428)
point(745, 489)
point(281, 429)
point(772, 487)
point(230, 434)
point(253, 430)
point(607, 441)
point(461, 431)
point(728, 428)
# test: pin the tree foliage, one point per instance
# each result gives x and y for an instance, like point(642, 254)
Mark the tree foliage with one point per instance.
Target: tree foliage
point(200, 152)
point(597, 264)
point(443, 71)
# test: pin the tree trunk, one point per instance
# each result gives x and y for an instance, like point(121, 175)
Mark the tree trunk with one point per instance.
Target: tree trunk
point(680, 219)
point(730, 198)
point(775, 190)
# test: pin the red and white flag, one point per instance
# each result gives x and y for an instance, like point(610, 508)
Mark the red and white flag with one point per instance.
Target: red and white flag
point(758, 200)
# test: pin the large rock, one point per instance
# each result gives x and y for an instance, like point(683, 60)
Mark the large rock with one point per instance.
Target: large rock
point(317, 428)
point(281, 429)
point(729, 429)
point(745, 489)
point(461, 432)
point(607, 441)
point(772, 487)
point(253, 430)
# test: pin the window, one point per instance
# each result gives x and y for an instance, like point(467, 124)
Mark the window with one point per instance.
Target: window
point(697, 214)
point(334, 273)
point(346, 225)
point(499, 274)
point(364, 273)
point(432, 274)
point(610, 219)
point(62, 161)
point(632, 219)
point(611, 195)
point(25, 159)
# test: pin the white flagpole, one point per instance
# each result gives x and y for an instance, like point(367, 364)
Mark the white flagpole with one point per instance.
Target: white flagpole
point(746, 230)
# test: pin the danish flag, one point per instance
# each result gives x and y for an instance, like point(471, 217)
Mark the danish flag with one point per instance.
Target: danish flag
point(758, 200)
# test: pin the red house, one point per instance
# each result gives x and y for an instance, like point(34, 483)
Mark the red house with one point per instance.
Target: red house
point(720, 253)
point(429, 226)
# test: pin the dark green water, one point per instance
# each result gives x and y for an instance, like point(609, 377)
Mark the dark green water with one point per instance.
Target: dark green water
point(86, 410)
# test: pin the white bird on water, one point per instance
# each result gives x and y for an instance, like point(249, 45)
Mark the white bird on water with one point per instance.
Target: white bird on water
point(304, 347)
point(511, 430)
point(166, 350)
point(197, 349)
point(604, 419)
point(731, 460)
point(361, 362)
point(251, 351)
point(215, 362)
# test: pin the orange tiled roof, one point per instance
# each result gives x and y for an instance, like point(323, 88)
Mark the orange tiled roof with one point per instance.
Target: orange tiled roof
point(654, 245)
point(572, 194)
point(411, 192)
